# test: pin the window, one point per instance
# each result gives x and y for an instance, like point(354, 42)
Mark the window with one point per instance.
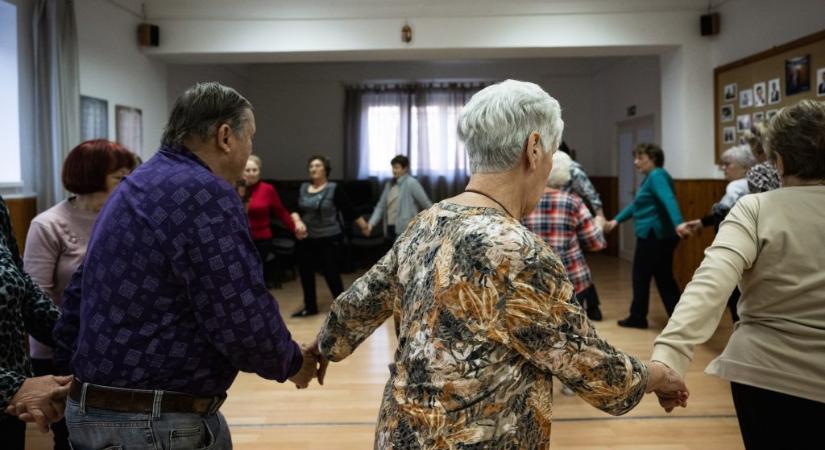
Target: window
point(10, 174)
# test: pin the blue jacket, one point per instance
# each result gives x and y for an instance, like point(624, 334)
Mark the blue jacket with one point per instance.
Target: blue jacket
point(655, 207)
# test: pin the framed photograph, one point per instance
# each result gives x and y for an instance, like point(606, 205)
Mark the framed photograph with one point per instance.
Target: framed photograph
point(743, 123)
point(774, 94)
point(94, 118)
point(797, 75)
point(729, 135)
point(760, 97)
point(129, 128)
point(771, 112)
point(730, 92)
point(820, 82)
point(745, 98)
point(758, 117)
point(727, 113)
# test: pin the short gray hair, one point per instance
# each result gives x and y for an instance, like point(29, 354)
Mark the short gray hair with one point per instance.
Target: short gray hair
point(202, 109)
point(741, 155)
point(498, 119)
point(560, 173)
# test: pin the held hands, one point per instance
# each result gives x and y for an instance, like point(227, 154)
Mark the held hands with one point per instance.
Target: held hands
point(600, 221)
point(41, 400)
point(687, 229)
point(300, 230)
point(366, 230)
point(610, 226)
point(668, 385)
point(314, 366)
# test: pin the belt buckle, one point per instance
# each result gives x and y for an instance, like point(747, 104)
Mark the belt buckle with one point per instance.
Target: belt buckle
point(217, 402)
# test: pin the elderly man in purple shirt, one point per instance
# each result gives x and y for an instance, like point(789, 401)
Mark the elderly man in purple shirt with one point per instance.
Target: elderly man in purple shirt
point(170, 302)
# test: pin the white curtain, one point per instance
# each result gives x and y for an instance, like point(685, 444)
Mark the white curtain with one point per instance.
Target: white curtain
point(56, 95)
point(417, 121)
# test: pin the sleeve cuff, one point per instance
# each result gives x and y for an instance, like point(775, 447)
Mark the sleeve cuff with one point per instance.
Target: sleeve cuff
point(670, 357)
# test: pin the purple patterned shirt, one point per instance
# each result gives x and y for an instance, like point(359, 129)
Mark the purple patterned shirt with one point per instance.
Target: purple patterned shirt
point(171, 294)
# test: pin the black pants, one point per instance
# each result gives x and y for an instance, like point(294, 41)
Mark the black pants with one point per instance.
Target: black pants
point(42, 367)
point(270, 262)
point(653, 259)
point(588, 298)
point(319, 253)
point(12, 432)
point(772, 420)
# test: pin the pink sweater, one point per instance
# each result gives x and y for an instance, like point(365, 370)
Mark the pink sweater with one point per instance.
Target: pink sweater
point(55, 247)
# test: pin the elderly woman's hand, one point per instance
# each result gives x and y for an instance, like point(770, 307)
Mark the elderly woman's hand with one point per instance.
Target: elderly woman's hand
point(41, 400)
point(668, 385)
point(609, 226)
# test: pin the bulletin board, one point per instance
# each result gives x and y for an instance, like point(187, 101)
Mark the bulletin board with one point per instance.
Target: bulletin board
point(755, 88)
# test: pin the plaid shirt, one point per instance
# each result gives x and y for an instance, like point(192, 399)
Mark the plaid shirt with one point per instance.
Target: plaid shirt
point(562, 220)
point(763, 178)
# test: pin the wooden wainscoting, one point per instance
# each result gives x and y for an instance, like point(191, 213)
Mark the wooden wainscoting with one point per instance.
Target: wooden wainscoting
point(608, 189)
point(22, 210)
point(695, 200)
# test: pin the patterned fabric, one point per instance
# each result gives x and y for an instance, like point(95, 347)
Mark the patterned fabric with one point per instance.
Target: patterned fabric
point(171, 294)
point(581, 185)
point(24, 308)
point(485, 318)
point(562, 220)
point(763, 177)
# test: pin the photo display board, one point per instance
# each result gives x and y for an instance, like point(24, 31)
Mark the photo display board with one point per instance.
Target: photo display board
point(755, 88)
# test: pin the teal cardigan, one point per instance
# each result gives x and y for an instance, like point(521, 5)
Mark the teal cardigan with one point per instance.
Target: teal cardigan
point(655, 207)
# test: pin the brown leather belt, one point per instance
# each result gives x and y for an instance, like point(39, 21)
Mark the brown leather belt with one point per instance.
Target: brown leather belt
point(140, 401)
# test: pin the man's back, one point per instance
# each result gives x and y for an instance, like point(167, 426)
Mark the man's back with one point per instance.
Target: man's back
point(171, 294)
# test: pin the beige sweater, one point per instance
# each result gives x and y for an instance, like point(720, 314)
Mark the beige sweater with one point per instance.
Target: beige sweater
point(773, 244)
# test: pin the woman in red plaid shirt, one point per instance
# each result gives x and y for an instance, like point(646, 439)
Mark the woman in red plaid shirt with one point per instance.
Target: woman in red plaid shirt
point(563, 221)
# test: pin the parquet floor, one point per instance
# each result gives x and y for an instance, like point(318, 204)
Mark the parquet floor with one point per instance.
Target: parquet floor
point(341, 415)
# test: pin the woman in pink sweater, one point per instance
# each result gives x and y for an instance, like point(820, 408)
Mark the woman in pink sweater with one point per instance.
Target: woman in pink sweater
point(57, 238)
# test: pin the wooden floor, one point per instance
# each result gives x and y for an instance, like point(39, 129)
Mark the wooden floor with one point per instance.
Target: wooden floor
point(341, 415)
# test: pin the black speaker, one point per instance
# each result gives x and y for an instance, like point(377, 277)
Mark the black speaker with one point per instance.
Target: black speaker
point(148, 35)
point(709, 24)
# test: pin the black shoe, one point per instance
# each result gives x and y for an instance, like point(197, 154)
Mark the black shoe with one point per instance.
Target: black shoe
point(630, 322)
point(594, 314)
point(304, 313)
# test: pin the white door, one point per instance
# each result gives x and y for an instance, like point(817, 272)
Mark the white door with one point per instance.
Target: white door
point(630, 133)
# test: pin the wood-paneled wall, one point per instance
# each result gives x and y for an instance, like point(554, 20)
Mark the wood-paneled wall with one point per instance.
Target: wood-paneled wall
point(695, 200)
point(608, 189)
point(22, 210)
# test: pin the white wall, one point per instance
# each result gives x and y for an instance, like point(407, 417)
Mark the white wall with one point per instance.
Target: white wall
point(299, 108)
point(113, 67)
point(631, 81)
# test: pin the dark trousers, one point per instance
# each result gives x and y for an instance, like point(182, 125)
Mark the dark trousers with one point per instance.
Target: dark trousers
point(42, 367)
point(12, 432)
point(270, 262)
point(772, 420)
point(653, 259)
point(588, 298)
point(319, 253)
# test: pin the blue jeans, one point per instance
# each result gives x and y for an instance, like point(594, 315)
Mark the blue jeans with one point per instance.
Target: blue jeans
point(101, 429)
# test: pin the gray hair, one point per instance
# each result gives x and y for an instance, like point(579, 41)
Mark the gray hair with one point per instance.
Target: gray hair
point(560, 173)
point(498, 119)
point(740, 155)
point(202, 109)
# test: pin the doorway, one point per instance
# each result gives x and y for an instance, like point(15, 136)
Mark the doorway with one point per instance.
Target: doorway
point(630, 133)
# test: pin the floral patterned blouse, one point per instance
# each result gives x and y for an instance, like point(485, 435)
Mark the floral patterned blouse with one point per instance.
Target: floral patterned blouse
point(485, 317)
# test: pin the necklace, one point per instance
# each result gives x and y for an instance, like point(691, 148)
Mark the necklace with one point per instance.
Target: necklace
point(491, 198)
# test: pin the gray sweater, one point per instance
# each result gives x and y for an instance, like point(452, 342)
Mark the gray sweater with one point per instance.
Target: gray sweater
point(411, 200)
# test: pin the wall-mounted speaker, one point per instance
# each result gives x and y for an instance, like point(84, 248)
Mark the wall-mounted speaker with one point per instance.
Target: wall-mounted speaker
point(148, 35)
point(709, 24)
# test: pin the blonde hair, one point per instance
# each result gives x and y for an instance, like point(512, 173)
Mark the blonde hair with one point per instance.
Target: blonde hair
point(560, 173)
point(256, 160)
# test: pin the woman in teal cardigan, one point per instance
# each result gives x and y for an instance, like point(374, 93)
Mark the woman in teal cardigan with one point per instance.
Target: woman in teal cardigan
point(656, 215)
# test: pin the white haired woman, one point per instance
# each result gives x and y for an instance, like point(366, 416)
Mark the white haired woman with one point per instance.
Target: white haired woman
point(736, 161)
point(772, 245)
point(562, 219)
point(486, 313)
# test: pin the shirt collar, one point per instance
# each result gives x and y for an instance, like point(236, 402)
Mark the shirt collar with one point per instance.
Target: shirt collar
point(185, 152)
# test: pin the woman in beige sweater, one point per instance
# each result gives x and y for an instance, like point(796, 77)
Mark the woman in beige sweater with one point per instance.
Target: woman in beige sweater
point(773, 245)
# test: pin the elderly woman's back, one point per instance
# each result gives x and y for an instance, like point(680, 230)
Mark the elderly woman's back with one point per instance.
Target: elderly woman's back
point(486, 319)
